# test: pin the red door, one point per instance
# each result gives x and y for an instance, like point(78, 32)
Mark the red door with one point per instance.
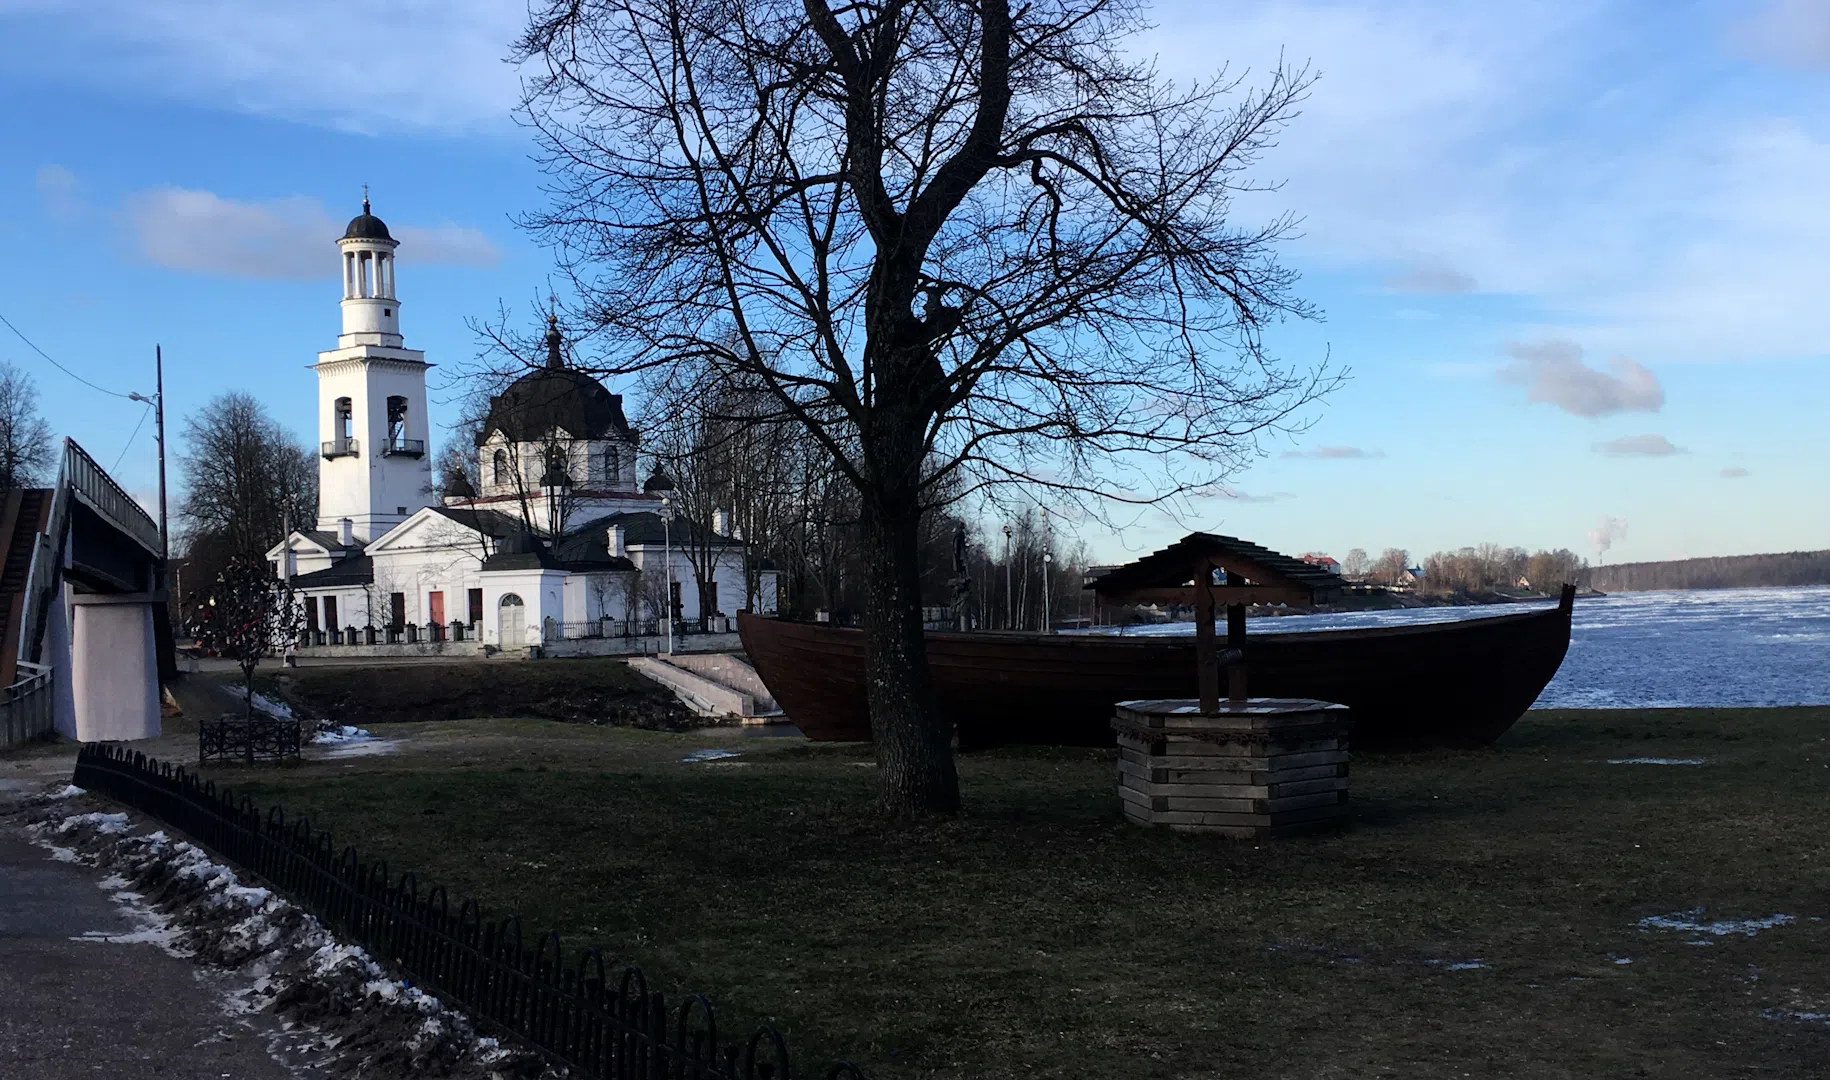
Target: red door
point(435, 603)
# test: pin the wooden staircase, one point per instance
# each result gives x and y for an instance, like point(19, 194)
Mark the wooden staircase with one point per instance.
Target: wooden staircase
point(22, 518)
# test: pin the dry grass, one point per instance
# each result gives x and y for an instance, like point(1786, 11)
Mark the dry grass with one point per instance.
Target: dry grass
point(1039, 935)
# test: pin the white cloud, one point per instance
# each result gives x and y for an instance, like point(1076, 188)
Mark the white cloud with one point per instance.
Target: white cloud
point(290, 237)
point(1552, 152)
point(1554, 374)
point(1431, 278)
point(1336, 453)
point(1638, 446)
point(409, 65)
point(57, 188)
point(1794, 33)
point(1733, 472)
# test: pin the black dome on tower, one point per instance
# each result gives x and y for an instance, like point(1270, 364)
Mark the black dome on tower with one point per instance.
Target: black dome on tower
point(556, 396)
point(366, 226)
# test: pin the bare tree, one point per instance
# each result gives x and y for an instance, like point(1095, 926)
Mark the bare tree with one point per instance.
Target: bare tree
point(961, 245)
point(245, 477)
point(1356, 565)
point(1390, 567)
point(26, 450)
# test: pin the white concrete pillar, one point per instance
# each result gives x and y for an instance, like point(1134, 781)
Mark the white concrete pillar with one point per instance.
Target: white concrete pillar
point(114, 671)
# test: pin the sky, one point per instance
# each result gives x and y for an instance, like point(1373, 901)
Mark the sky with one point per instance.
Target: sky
point(1574, 256)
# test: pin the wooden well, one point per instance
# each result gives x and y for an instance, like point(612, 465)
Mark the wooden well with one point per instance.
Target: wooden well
point(1249, 769)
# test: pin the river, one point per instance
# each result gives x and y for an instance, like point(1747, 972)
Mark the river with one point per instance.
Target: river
point(1717, 647)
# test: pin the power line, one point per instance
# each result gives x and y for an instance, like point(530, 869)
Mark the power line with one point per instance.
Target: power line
point(136, 434)
point(55, 364)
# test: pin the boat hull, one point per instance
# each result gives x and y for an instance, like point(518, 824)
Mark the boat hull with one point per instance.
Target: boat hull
point(1458, 684)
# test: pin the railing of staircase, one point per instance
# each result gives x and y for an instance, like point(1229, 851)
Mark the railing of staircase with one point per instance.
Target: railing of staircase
point(26, 711)
point(47, 558)
point(108, 498)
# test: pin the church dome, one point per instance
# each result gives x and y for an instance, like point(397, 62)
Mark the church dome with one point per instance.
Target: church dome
point(542, 400)
point(555, 396)
point(366, 226)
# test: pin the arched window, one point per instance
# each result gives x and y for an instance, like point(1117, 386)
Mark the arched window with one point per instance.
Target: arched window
point(397, 423)
point(498, 468)
point(613, 466)
point(345, 424)
point(558, 463)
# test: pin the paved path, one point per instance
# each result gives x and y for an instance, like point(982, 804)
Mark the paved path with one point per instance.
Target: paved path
point(91, 1008)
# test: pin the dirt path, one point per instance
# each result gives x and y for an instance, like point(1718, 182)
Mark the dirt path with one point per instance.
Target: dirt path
point(86, 996)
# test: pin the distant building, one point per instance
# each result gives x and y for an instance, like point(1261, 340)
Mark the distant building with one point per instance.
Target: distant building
point(560, 534)
point(1411, 576)
point(1316, 558)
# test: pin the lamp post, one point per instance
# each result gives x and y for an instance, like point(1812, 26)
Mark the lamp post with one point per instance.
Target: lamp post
point(1047, 558)
point(667, 560)
point(1010, 592)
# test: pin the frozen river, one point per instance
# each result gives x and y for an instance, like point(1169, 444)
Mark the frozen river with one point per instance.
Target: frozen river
point(1723, 647)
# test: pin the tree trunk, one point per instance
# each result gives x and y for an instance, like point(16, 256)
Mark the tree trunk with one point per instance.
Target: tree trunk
point(914, 743)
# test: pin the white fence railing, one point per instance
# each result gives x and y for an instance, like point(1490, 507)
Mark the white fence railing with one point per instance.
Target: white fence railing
point(26, 707)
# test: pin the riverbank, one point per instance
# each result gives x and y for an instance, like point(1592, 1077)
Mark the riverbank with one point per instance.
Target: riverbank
point(1562, 904)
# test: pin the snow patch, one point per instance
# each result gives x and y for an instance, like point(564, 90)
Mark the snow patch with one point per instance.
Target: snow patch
point(1690, 922)
point(263, 702)
point(710, 755)
point(293, 965)
point(1457, 965)
point(68, 791)
point(1658, 761)
point(342, 735)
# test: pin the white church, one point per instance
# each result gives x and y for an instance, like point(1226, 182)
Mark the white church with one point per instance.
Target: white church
point(559, 543)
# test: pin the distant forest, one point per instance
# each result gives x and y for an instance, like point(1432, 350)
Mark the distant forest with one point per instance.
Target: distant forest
point(1725, 572)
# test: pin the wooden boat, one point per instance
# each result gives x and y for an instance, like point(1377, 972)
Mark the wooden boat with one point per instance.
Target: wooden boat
point(1457, 684)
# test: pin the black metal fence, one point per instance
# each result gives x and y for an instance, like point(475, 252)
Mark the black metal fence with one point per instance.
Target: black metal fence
point(575, 1015)
point(248, 738)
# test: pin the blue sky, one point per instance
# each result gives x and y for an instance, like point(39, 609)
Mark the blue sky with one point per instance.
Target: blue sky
point(1575, 255)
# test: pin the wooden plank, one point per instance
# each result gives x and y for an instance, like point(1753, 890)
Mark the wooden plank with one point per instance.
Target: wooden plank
point(1304, 802)
point(1306, 787)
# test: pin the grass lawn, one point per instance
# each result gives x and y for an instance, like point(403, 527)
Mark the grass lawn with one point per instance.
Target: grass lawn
point(1481, 917)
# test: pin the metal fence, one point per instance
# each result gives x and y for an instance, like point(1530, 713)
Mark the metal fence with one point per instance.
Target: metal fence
point(27, 709)
point(575, 1015)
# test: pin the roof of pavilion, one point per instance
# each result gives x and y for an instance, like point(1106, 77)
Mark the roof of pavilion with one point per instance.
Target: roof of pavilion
point(1271, 576)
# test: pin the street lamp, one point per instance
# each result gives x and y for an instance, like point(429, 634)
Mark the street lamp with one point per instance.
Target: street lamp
point(667, 560)
point(659, 484)
point(157, 401)
point(1046, 559)
point(1010, 592)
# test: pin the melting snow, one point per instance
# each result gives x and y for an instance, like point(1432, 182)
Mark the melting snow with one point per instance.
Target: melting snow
point(709, 755)
point(1658, 761)
point(342, 736)
point(261, 919)
point(1690, 922)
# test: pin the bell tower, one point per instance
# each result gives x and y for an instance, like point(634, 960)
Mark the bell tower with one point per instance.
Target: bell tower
point(373, 468)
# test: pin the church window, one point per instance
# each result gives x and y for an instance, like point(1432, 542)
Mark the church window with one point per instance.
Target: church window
point(397, 422)
point(345, 420)
point(556, 462)
point(498, 468)
point(613, 465)
point(387, 311)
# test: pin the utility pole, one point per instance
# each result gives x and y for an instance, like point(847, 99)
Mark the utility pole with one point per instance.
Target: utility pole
point(157, 401)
